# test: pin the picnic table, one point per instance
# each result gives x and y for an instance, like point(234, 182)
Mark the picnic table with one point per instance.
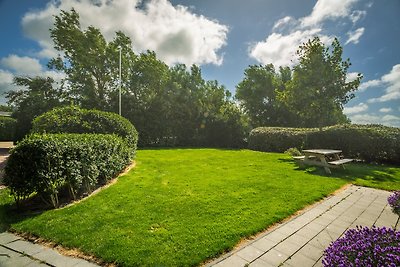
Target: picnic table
point(326, 158)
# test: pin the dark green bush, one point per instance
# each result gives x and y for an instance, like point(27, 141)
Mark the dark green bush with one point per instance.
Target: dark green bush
point(46, 164)
point(372, 143)
point(76, 120)
point(7, 128)
point(276, 139)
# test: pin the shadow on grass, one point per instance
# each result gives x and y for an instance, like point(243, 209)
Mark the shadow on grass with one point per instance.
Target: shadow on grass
point(10, 213)
point(385, 177)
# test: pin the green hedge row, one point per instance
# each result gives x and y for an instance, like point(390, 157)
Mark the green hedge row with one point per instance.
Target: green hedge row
point(47, 164)
point(76, 120)
point(372, 143)
point(276, 139)
point(7, 128)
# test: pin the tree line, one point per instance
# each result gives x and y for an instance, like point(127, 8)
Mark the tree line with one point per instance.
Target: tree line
point(176, 106)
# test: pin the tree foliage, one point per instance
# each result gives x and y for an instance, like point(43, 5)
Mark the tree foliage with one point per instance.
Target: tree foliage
point(176, 106)
point(318, 89)
point(258, 93)
point(38, 97)
point(310, 95)
point(168, 105)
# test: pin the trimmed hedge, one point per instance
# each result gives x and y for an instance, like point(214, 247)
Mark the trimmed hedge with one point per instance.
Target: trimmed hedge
point(277, 139)
point(371, 143)
point(49, 163)
point(7, 128)
point(76, 120)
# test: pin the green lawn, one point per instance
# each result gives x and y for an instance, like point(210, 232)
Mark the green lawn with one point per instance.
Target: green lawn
point(180, 207)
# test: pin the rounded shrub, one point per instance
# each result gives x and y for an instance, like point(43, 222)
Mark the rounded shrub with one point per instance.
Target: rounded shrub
point(365, 246)
point(47, 163)
point(73, 119)
point(7, 128)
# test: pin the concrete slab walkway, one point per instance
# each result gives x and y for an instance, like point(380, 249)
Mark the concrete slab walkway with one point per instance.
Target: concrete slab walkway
point(302, 240)
point(16, 252)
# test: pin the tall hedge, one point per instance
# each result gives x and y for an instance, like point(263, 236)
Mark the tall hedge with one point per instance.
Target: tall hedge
point(76, 120)
point(371, 143)
point(7, 128)
point(46, 164)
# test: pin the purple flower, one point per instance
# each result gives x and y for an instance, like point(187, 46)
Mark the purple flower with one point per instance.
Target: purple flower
point(363, 246)
point(394, 201)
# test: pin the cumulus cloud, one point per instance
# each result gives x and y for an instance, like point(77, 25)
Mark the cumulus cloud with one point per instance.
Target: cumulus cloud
point(6, 84)
point(388, 120)
point(354, 36)
point(391, 81)
point(351, 76)
point(175, 33)
point(22, 65)
point(328, 9)
point(355, 109)
point(371, 83)
point(385, 110)
point(14, 65)
point(280, 49)
point(288, 33)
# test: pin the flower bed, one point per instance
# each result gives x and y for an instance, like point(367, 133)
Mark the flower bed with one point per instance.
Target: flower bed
point(394, 202)
point(365, 246)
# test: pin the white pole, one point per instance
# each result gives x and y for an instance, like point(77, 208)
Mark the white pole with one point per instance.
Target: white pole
point(120, 81)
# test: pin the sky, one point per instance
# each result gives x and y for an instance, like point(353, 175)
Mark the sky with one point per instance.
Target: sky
point(224, 37)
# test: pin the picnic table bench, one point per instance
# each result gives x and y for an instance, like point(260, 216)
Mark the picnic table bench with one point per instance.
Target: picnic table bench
point(326, 158)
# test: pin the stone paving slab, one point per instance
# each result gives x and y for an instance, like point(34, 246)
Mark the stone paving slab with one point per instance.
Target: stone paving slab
point(302, 240)
point(16, 252)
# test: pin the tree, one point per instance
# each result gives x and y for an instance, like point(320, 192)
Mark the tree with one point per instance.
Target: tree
point(318, 89)
point(38, 97)
point(258, 92)
point(5, 108)
point(90, 63)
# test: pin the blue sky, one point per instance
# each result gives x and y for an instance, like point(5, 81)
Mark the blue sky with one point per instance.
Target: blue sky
point(224, 37)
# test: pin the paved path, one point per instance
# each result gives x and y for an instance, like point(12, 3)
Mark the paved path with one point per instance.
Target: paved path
point(16, 252)
point(302, 240)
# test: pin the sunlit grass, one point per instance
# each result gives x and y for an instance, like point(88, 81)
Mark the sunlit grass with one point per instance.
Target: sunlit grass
point(180, 207)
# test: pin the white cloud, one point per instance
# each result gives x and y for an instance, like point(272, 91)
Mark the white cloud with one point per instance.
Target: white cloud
point(385, 110)
point(328, 9)
point(392, 83)
point(371, 83)
point(354, 36)
point(351, 76)
point(388, 120)
point(279, 48)
point(6, 85)
point(15, 65)
point(284, 22)
point(173, 32)
point(356, 15)
point(22, 65)
point(355, 109)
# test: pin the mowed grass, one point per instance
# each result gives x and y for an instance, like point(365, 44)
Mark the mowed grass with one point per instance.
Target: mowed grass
point(180, 207)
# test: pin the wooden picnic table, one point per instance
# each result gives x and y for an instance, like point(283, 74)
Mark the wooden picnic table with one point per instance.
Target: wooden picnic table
point(326, 158)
